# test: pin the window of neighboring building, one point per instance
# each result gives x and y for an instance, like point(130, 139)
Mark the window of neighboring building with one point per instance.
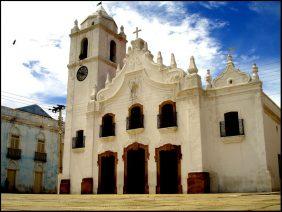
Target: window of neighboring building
point(108, 126)
point(167, 115)
point(135, 118)
point(15, 141)
point(113, 51)
point(84, 49)
point(41, 146)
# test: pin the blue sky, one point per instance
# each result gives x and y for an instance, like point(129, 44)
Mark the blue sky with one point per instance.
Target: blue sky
point(34, 70)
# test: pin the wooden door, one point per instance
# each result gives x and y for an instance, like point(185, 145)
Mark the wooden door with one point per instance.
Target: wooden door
point(37, 182)
point(11, 175)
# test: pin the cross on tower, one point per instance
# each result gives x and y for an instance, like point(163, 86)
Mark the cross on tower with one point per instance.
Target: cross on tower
point(137, 32)
point(231, 50)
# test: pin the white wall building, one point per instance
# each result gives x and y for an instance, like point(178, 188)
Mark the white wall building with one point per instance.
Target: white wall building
point(134, 125)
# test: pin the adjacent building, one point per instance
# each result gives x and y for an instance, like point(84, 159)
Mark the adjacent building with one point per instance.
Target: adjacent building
point(136, 125)
point(29, 150)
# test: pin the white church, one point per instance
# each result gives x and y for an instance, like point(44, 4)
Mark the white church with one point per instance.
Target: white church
point(137, 126)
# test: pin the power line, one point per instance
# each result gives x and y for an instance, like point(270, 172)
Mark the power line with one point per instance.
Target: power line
point(28, 99)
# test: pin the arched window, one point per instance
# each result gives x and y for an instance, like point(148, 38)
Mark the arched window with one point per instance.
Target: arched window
point(83, 49)
point(15, 138)
point(135, 118)
point(113, 51)
point(40, 154)
point(231, 125)
point(108, 126)
point(41, 143)
point(14, 151)
point(167, 115)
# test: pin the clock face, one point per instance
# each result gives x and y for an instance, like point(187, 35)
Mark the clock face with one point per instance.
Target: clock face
point(82, 73)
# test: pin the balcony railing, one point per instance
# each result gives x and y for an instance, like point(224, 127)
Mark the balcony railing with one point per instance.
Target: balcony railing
point(14, 154)
point(40, 156)
point(167, 120)
point(78, 143)
point(134, 122)
point(232, 132)
point(106, 131)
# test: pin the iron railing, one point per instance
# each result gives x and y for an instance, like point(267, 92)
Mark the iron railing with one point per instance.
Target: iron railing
point(167, 120)
point(78, 142)
point(231, 132)
point(40, 156)
point(134, 122)
point(106, 131)
point(14, 154)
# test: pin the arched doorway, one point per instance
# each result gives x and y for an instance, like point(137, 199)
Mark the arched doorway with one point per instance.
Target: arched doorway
point(168, 159)
point(135, 159)
point(107, 173)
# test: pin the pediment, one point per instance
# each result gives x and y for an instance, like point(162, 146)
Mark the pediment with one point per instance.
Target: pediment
point(139, 63)
point(231, 76)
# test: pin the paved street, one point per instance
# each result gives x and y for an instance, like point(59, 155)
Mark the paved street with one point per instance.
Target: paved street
point(227, 201)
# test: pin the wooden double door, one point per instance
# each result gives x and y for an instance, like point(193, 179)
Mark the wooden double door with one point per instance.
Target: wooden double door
point(168, 158)
point(136, 169)
point(11, 180)
point(107, 173)
point(37, 182)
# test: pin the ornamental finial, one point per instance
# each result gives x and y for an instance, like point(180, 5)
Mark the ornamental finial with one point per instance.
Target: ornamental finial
point(160, 58)
point(172, 61)
point(208, 79)
point(255, 76)
point(192, 66)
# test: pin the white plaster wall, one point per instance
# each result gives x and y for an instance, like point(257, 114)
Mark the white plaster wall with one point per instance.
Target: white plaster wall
point(77, 164)
point(235, 166)
point(150, 97)
point(272, 142)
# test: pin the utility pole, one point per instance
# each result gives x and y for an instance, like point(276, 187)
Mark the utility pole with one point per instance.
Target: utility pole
point(59, 109)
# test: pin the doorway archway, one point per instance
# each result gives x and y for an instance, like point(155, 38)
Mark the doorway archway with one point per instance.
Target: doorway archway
point(107, 182)
point(135, 158)
point(168, 159)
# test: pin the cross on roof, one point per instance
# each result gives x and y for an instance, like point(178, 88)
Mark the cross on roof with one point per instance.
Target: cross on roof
point(137, 32)
point(231, 50)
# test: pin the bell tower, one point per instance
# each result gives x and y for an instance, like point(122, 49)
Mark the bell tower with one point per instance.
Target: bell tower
point(96, 49)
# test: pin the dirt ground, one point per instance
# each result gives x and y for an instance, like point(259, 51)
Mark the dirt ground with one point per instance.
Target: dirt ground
point(226, 201)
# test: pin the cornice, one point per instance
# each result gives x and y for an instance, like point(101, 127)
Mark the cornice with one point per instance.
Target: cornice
point(271, 114)
point(100, 26)
point(19, 121)
point(91, 59)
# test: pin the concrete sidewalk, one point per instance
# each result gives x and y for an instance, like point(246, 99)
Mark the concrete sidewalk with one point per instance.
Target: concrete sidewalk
point(226, 201)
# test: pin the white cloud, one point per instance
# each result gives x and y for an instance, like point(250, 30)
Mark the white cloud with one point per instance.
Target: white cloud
point(39, 26)
point(213, 4)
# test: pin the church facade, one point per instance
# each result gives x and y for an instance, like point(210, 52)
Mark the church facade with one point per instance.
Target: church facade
point(135, 125)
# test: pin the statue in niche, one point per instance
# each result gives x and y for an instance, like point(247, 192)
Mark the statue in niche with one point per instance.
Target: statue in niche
point(133, 86)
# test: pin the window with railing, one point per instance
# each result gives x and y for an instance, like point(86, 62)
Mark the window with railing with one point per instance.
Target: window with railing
point(136, 118)
point(79, 140)
point(232, 125)
point(108, 126)
point(14, 152)
point(40, 154)
point(167, 116)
